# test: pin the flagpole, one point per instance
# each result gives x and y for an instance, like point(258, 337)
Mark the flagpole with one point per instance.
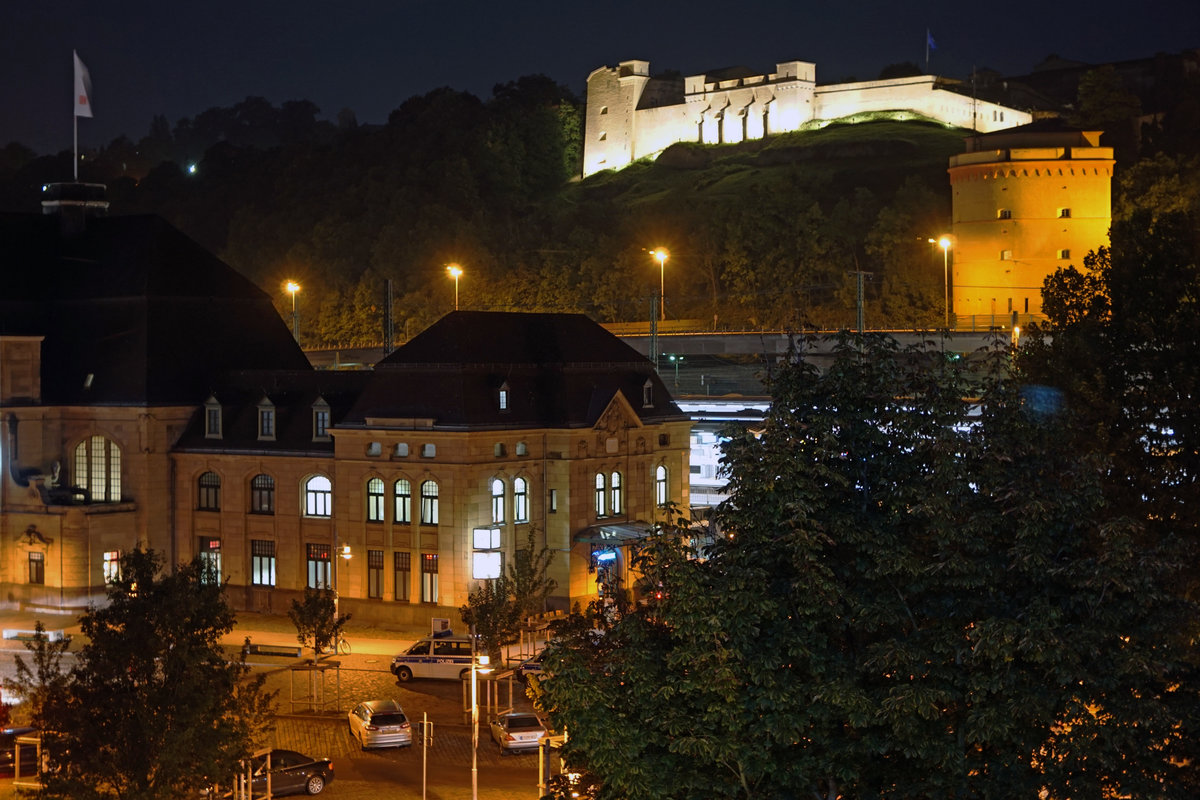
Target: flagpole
point(75, 147)
point(927, 51)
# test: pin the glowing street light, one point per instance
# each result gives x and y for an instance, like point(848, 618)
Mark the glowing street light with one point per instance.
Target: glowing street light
point(945, 242)
point(455, 272)
point(292, 287)
point(676, 359)
point(478, 664)
point(661, 255)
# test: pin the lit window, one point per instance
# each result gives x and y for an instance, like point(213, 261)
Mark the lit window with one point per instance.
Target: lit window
point(266, 420)
point(37, 567)
point(401, 450)
point(98, 469)
point(262, 562)
point(497, 500)
point(262, 495)
point(601, 492)
point(429, 503)
point(375, 500)
point(112, 566)
point(210, 559)
point(1006, 255)
point(614, 486)
point(520, 500)
point(212, 418)
point(1004, 213)
point(402, 570)
point(374, 449)
point(402, 502)
point(504, 396)
point(553, 503)
point(1064, 213)
point(318, 496)
point(375, 574)
point(320, 421)
point(208, 492)
point(429, 578)
point(318, 566)
point(522, 449)
point(428, 450)
point(660, 486)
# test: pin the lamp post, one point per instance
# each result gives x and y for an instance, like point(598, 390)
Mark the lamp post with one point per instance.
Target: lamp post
point(676, 359)
point(292, 287)
point(661, 255)
point(944, 242)
point(455, 272)
point(345, 555)
point(479, 664)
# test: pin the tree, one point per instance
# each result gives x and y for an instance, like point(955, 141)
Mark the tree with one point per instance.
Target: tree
point(314, 619)
point(915, 596)
point(152, 706)
point(43, 678)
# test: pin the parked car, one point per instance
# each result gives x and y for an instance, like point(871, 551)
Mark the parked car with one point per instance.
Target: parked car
point(517, 731)
point(530, 666)
point(8, 751)
point(291, 773)
point(380, 723)
point(435, 657)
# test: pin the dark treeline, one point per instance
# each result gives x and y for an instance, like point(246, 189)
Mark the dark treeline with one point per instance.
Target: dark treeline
point(767, 233)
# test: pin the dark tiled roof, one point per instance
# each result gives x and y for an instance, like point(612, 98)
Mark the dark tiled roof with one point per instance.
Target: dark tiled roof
point(561, 370)
point(150, 314)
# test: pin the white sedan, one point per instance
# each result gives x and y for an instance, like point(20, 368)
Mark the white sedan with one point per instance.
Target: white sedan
point(517, 731)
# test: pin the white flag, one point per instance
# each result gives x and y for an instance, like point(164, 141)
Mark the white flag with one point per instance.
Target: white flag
point(83, 89)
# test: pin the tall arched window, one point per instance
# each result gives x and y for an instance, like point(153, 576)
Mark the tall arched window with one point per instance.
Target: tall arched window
point(614, 486)
point(497, 500)
point(660, 486)
point(429, 503)
point(98, 469)
point(318, 496)
point(402, 495)
point(208, 492)
point(375, 500)
point(262, 495)
point(601, 491)
point(520, 500)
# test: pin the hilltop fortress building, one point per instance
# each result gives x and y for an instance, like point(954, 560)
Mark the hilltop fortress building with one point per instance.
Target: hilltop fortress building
point(631, 115)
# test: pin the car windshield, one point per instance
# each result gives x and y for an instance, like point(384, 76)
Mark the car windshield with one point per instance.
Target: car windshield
point(524, 722)
point(388, 718)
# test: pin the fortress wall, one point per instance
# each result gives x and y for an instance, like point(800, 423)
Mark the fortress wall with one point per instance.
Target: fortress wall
point(609, 120)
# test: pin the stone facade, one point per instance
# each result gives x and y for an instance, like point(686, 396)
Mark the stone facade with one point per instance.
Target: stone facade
point(632, 115)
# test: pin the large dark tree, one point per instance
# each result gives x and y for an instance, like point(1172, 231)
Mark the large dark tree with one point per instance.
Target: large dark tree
point(153, 707)
point(914, 596)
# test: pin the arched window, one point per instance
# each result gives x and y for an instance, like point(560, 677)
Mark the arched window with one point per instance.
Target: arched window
point(262, 495)
point(429, 503)
point(614, 486)
point(98, 469)
point(520, 500)
point(318, 497)
point(375, 500)
point(208, 492)
point(497, 501)
point(402, 495)
point(660, 486)
point(601, 491)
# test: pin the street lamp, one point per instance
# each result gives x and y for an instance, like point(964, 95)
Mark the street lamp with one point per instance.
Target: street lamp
point(455, 272)
point(676, 359)
point(944, 242)
point(661, 255)
point(346, 556)
point(478, 664)
point(292, 287)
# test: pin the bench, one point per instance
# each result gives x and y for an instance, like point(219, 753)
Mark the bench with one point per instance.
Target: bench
point(278, 650)
point(31, 636)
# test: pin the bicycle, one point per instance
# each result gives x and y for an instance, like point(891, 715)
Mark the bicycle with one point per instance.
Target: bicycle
point(343, 646)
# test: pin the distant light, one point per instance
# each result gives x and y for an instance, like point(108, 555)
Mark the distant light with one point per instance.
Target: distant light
point(606, 555)
point(45, 186)
point(191, 169)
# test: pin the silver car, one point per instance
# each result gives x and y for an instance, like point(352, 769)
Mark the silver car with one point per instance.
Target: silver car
point(380, 723)
point(517, 731)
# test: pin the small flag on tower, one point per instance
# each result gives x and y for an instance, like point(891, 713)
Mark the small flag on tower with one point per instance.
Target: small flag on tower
point(929, 40)
point(83, 89)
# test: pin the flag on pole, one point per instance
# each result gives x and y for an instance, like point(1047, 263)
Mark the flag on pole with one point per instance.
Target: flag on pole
point(929, 40)
point(83, 89)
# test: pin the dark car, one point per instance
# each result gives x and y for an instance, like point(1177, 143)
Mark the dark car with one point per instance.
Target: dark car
point(8, 751)
point(291, 773)
point(530, 666)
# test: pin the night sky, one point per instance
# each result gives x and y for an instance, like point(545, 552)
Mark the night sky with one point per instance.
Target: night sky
point(180, 57)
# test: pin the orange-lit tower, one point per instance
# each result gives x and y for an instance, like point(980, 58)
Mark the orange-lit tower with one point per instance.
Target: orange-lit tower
point(1027, 201)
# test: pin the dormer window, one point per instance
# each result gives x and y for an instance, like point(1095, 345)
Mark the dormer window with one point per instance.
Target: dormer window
point(504, 396)
point(266, 420)
point(647, 394)
point(212, 418)
point(320, 420)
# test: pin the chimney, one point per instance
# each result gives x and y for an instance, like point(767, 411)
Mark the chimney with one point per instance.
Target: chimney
point(74, 203)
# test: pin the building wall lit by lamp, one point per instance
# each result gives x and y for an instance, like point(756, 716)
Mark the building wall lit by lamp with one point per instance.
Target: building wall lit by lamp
point(486, 558)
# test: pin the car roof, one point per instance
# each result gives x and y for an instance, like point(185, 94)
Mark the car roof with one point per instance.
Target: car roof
point(382, 705)
point(515, 714)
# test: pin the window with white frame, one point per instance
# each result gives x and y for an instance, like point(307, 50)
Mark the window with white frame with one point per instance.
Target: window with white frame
point(429, 577)
point(402, 574)
point(1064, 213)
point(497, 500)
point(318, 497)
point(522, 449)
point(319, 565)
point(660, 486)
point(266, 420)
point(520, 500)
point(614, 492)
point(375, 502)
point(112, 566)
point(262, 562)
point(429, 503)
point(402, 502)
point(210, 559)
point(429, 451)
point(1006, 255)
point(503, 396)
point(320, 420)
point(98, 469)
point(212, 418)
point(601, 495)
point(208, 492)
point(37, 567)
point(375, 574)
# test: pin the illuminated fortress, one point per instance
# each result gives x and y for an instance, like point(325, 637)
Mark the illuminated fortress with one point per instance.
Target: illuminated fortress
point(631, 115)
